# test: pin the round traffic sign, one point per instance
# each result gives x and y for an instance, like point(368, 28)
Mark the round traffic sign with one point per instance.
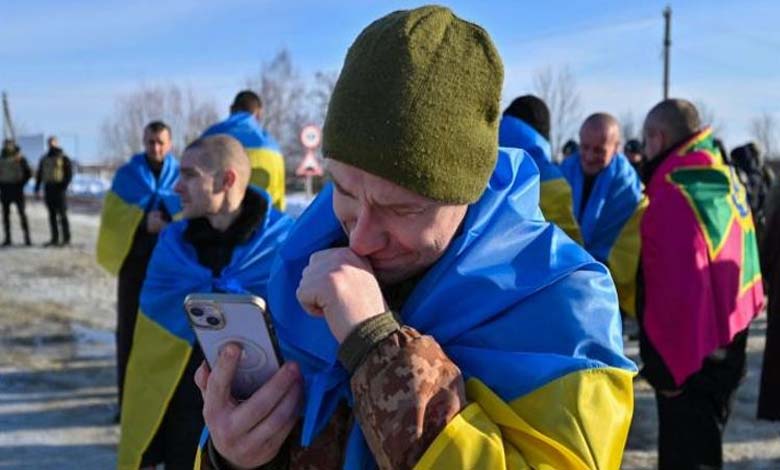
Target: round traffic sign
point(311, 136)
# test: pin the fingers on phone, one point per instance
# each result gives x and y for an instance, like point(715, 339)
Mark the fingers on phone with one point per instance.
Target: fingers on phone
point(278, 424)
point(286, 381)
point(202, 377)
point(218, 392)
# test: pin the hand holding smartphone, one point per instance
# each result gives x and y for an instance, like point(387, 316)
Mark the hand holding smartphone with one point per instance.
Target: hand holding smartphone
point(220, 319)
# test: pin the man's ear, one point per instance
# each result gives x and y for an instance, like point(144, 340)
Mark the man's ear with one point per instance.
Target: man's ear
point(229, 178)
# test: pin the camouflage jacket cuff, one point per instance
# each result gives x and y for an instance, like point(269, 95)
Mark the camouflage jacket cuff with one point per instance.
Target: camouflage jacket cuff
point(364, 338)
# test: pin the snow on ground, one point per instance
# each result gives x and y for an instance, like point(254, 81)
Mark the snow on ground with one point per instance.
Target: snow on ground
point(57, 378)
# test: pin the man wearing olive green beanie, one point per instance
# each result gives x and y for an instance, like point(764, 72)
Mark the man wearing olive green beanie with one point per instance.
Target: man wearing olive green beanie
point(427, 263)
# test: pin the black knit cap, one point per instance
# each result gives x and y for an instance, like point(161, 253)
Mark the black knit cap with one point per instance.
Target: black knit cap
point(533, 111)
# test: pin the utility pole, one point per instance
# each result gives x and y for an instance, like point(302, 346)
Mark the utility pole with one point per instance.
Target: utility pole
point(667, 46)
point(8, 126)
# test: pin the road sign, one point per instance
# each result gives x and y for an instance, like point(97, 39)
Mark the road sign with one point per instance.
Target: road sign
point(309, 166)
point(311, 136)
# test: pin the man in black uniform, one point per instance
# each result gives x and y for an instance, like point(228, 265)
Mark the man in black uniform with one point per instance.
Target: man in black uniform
point(14, 174)
point(55, 173)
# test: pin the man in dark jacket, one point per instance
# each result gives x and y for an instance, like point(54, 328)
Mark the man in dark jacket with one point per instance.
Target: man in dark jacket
point(55, 174)
point(225, 243)
point(14, 174)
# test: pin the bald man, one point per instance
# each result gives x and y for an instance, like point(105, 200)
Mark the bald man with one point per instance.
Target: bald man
point(225, 243)
point(702, 285)
point(608, 202)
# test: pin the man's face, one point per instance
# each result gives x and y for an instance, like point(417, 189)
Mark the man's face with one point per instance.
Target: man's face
point(654, 142)
point(199, 188)
point(598, 144)
point(400, 232)
point(157, 144)
point(634, 157)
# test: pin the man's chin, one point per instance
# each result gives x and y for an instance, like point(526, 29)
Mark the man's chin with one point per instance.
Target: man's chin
point(189, 213)
point(390, 276)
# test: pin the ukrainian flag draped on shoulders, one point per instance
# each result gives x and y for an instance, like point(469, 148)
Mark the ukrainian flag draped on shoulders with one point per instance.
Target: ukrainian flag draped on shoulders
point(265, 157)
point(163, 338)
point(134, 192)
point(697, 207)
point(535, 331)
point(609, 221)
point(555, 198)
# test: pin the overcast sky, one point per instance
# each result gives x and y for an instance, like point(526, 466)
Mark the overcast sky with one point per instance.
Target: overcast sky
point(64, 63)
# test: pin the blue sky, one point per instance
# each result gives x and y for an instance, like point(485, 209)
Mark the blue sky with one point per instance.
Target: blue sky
point(64, 63)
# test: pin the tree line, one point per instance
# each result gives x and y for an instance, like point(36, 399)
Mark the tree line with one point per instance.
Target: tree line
point(291, 101)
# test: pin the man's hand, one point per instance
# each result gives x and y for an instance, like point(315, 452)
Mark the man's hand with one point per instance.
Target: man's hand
point(155, 222)
point(250, 433)
point(341, 286)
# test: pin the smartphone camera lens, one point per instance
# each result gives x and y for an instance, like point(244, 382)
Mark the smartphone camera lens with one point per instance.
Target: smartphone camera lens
point(196, 312)
point(213, 321)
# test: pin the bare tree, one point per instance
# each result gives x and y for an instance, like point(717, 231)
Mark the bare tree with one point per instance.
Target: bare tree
point(181, 109)
point(764, 130)
point(708, 117)
point(559, 90)
point(284, 103)
point(319, 95)
point(628, 128)
point(289, 102)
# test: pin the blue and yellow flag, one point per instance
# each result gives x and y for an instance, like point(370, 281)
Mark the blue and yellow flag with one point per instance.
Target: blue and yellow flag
point(134, 192)
point(610, 220)
point(555, 193)
point(538, 340)
point(163, 339)
point(265, 157)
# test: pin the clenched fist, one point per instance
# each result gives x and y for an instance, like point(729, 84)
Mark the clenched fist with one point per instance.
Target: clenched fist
point(341, 286)
point(155, 222)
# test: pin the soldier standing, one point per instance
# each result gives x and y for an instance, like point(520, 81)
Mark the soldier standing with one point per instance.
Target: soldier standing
point(55, 173)
point(14, 174)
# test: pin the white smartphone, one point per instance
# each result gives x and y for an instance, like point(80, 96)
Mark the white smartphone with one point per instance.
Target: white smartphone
point(219, 319)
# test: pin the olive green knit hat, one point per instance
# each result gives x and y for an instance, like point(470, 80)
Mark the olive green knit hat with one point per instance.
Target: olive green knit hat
point(417, 103)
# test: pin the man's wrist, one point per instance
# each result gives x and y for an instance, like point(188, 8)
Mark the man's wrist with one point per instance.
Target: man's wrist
point(364, 337)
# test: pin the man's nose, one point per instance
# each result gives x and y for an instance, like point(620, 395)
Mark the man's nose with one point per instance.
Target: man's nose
point(367, 235)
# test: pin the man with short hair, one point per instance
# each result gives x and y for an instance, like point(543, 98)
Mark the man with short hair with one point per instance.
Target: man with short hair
point(569, 148)
point(55, 173)
point(702, 285)
point(526, 125)
point(139, 205)
point(14, 174)
point(608, 202)
point(432, 315)
point(265, 157)
point(633, 151)
point(225, 244)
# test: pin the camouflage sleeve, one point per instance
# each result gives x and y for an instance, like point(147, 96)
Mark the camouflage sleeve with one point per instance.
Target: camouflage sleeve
point(406, 391)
